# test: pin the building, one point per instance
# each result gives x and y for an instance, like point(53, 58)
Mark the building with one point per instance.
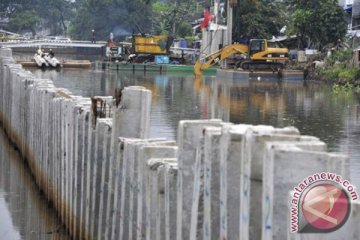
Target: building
point(218, 32)
point(352, 8)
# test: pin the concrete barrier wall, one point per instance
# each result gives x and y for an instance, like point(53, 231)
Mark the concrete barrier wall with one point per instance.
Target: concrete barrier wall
point(106, 179)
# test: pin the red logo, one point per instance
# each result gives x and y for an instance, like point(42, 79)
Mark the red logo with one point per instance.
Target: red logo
point(325, 207)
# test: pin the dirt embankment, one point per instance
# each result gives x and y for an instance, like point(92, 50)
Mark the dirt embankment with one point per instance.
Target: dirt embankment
point(314, 74)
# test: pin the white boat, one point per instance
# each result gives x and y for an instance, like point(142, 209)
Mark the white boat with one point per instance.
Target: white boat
point(51, 60)
point(40, 61)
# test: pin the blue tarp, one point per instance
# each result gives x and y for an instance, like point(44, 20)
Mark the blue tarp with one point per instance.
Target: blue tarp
point(182, 43)
point(348, 8)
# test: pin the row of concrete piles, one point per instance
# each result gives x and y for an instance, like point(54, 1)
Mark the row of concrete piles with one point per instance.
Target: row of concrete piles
point(94, 162)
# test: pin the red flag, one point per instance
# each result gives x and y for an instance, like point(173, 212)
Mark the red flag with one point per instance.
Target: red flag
point(207, 19)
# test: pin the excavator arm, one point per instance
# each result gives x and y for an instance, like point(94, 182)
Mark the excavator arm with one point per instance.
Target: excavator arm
point(218, 56)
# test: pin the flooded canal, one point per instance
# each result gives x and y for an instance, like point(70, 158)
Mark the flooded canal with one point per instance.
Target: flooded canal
point(314, 109)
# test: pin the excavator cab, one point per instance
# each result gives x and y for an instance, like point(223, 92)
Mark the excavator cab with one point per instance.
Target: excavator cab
point(262, 57)
point(255, 46)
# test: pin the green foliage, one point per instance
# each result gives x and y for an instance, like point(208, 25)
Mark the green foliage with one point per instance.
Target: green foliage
point(346, 88)
point(163, 12)
point(349, 74)
point(318, 23)
point(343, 56)
point(24, 15)
point(258, 19)
point(121, 17)
point(24, 20)
point(184, 29)
point(168, 18)
point(357, 89)
point(338, 72)
point(332, 73)
point(56, 14)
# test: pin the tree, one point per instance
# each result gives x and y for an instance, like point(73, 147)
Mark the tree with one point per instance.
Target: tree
point(25, 20)
point(257, 19)
point(317, 23)
point(171, 19)
point(26, 15)
point(121, 17)
point(56, 14)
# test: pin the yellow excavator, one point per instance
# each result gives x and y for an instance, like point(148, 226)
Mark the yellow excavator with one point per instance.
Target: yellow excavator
point(257, 55)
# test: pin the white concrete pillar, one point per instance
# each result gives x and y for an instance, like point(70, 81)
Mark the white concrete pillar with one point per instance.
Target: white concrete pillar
point(115, 221)
point(212, 183)
point(89, 175)
point(80, 144)
point(232, 144)
point(103, 174)
point(102, 137)
point(189, 134)
point(196, 223)
point(153, 196)
point(84, 166)
point(163, 149)
point(69, 174)
point(255, 147)
point(121, 189)
point(13, 103)
point(161, 213)
point(285, 166)
point(171, 173)
point(103, 166)
point(48, 146)
point(57, 149)
point(131, 196)
point(126, 188)
point(68, 153)
point(131, 118)
point(5, 52)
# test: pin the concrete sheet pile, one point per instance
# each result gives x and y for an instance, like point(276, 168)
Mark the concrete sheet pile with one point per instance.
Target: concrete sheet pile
point(108, 180)
point(71, 149)
point(234, 180)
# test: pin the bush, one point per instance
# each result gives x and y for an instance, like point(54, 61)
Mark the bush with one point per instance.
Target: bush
point(339, 73)
point(342, 56)
point(349, 74)
point(332, 73)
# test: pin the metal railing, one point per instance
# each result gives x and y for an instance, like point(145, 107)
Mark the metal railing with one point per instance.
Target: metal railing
point(52, 43)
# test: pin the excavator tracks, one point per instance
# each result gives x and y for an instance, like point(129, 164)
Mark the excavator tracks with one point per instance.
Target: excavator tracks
point(261, 65)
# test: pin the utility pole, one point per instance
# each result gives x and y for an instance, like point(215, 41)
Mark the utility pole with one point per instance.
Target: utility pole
point(174, 18)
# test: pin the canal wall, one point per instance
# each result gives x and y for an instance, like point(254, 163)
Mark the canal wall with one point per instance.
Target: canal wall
point(94, 161)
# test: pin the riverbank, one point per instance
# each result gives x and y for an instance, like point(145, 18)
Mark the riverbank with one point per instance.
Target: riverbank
point(337, 69)
point(334, 75)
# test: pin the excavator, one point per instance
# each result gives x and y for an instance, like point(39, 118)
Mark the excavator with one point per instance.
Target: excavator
point(257, 55)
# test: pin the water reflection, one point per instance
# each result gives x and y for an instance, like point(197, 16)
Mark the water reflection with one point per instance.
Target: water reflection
point(24, 213)
point(313, 108)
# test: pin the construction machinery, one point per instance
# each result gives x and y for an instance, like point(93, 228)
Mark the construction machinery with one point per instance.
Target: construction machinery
point(256, 55)
point(147, 47)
